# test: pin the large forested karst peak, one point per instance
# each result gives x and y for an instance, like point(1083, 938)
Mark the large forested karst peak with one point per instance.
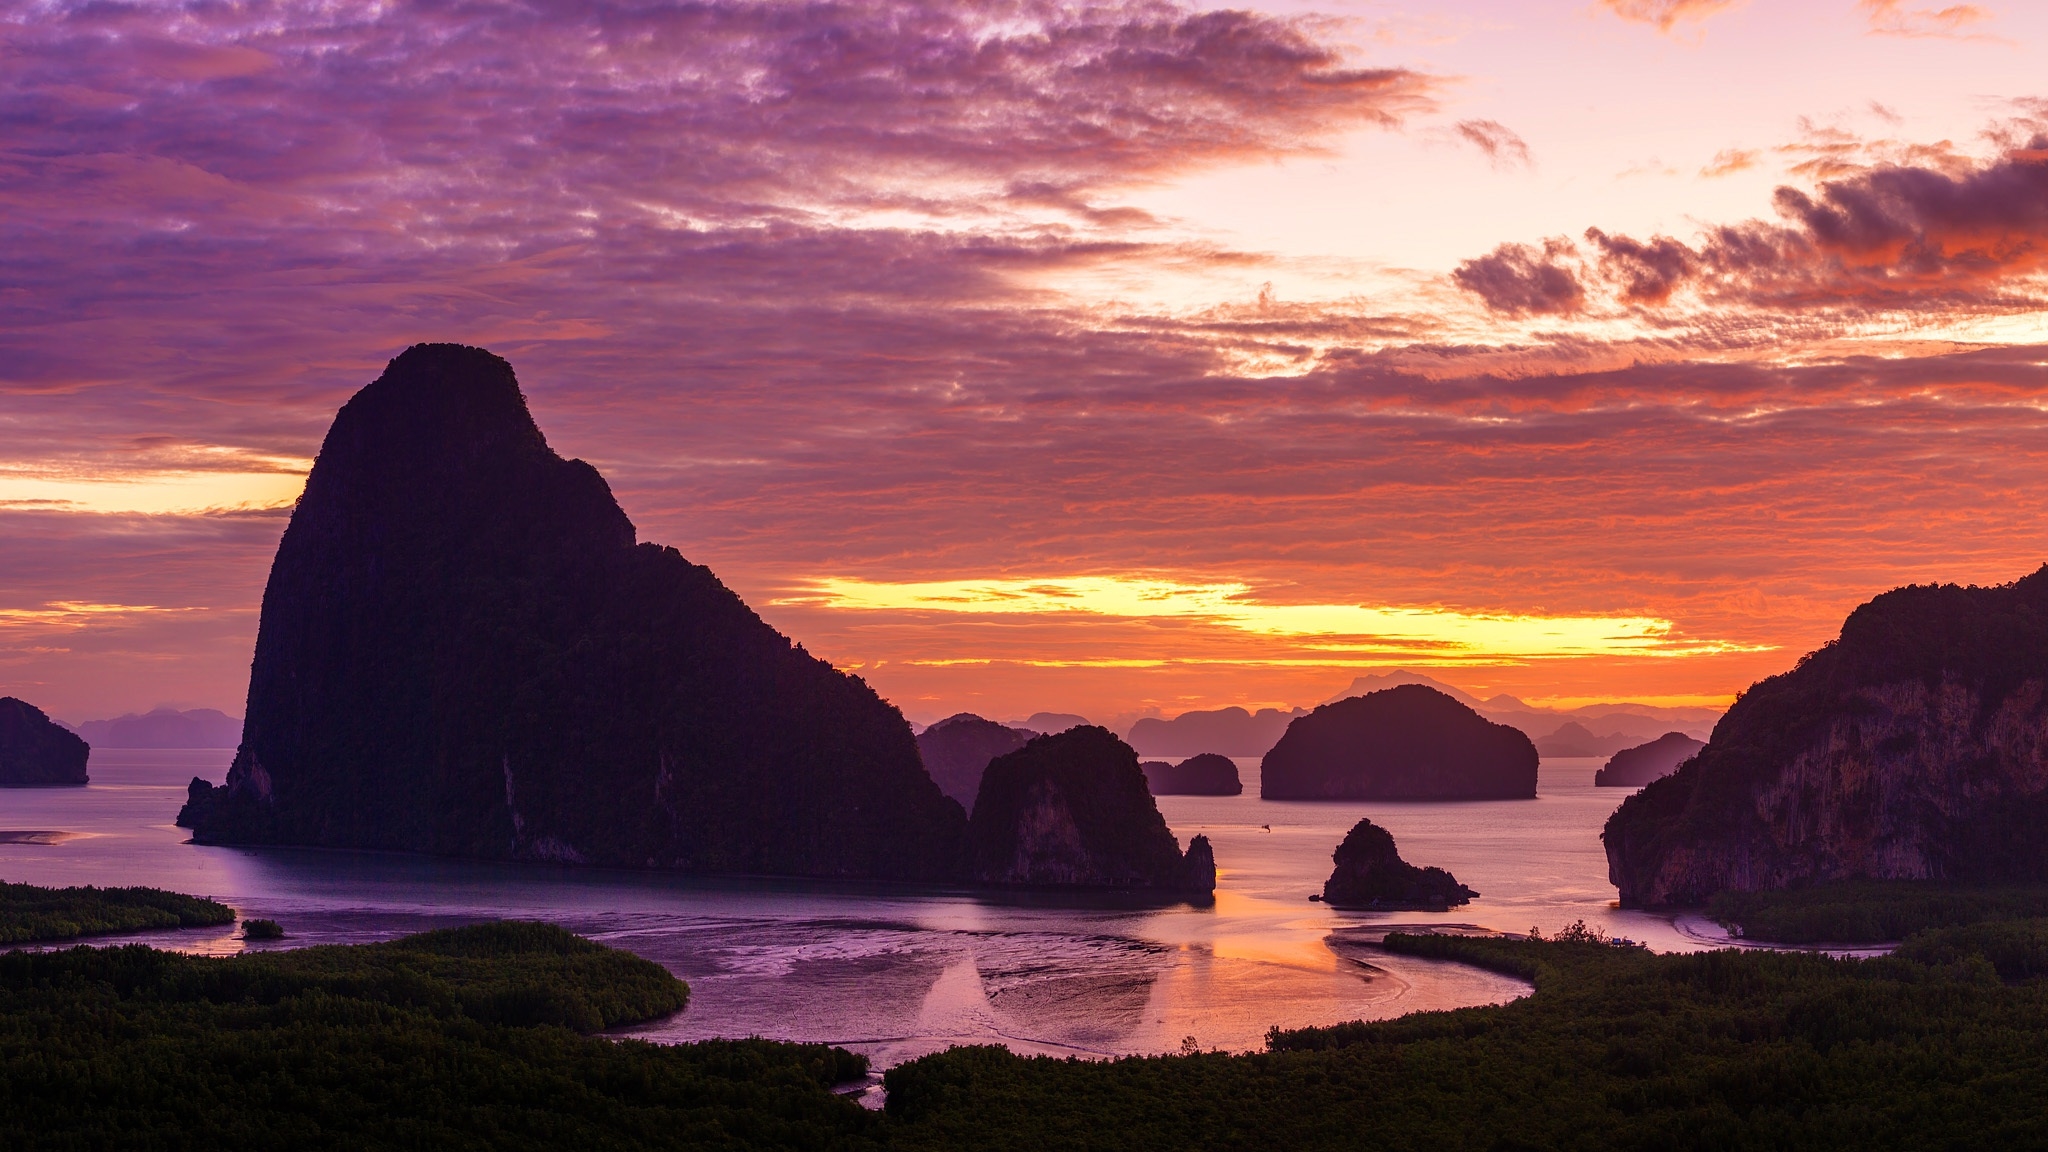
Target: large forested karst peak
point(1912, 747)
point(1408, 742)
point(463, 651)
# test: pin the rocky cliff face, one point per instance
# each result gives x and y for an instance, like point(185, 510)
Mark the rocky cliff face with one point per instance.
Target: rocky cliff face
point(1408, 742)
point(957, 749)
point(1915, 746)
point(1371, 874)
point(463, 651)
point(35, 750)
point(1208, 774)
point(1637, 766)
point(1072, 811)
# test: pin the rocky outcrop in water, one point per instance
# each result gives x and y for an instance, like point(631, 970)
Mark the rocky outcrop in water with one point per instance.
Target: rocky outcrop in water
point(1371, 874)
point(1637, 766)
point(1205, 775)
point(463, 651)
point(35, 750)
point(957, 749)
point(1914, 746)
point(1408, 742)
point(1072, 811)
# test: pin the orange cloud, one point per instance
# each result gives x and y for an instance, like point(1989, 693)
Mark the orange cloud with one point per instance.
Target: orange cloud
point(1729, 161)
point(1667, 14)
point(1894, 18)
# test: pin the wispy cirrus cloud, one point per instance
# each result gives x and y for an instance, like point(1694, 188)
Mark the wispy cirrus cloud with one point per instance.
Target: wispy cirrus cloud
point(1496, 141)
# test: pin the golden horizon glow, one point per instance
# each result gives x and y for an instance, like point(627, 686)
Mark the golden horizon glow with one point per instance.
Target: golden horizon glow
point(154, 492)
point(1416, 633)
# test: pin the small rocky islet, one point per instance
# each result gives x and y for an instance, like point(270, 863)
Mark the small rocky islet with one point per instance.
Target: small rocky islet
point(1637, 766)
point(1370, 874)
point(1205, 774)
point(36, 751)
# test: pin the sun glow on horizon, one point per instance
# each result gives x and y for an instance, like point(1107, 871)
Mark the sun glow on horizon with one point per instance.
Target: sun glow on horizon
point(164, 492)
point(1338, 630)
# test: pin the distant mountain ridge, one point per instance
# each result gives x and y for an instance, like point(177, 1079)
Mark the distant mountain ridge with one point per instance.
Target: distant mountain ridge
point(164, 727)
point(1588, 730)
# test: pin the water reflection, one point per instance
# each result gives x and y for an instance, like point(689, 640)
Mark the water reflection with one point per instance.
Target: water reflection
point(898, 972)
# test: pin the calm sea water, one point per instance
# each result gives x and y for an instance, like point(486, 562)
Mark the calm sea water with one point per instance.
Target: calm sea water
point(897, 972)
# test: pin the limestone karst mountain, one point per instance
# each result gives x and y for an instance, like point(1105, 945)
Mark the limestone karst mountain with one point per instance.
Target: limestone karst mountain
point(35, 750)
point(1637, 766)
point(958, 748)
point(1914, 746)
point(1206, 774)
point(1072, 810)
point(1408, 742)
point(464, 651)
point(1370, 873)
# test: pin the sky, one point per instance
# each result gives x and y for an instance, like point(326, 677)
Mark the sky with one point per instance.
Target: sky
point(1117, 358)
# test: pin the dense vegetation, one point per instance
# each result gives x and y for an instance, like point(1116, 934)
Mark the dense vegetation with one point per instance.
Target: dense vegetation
point(473, 1038)
point(1938, 1046)
point(467, 1038)
point(1871, 911)
point(463, 651)
point(30, 913)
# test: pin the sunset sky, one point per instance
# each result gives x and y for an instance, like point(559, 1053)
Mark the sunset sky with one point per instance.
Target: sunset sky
point(1096, 358)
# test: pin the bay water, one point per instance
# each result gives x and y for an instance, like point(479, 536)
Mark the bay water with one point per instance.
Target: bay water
point(897, 972)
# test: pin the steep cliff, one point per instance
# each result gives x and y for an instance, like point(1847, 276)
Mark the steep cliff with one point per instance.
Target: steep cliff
point(463, 651)
point(1914, 746)
point(1208, 774)
point(35, 750)
point(1408, 742)
point(1371, 874)
point(1072, 811)
point(957, 749)
point(1637, 766)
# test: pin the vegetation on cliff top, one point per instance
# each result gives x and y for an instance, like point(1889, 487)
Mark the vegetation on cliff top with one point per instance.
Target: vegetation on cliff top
point(29, 913)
